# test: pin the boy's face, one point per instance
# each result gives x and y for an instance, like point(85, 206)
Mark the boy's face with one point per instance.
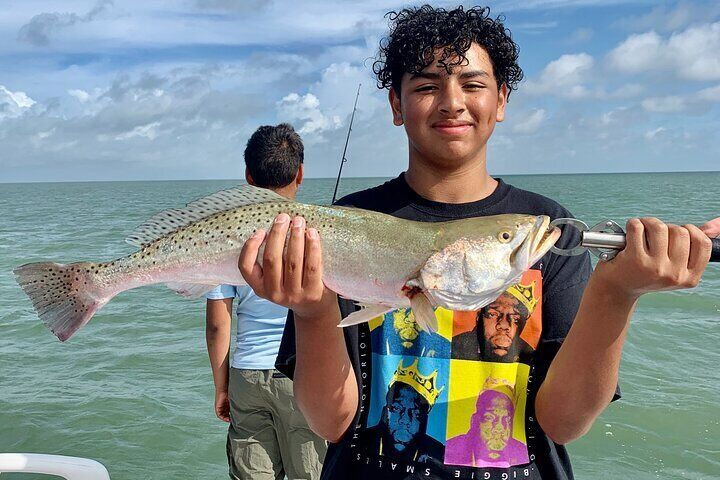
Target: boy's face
point(449, 118)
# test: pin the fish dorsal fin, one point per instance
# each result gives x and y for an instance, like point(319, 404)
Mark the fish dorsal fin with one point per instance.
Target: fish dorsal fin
point(170, 220)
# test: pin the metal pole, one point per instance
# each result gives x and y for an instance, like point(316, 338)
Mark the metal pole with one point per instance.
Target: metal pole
point(347, 140)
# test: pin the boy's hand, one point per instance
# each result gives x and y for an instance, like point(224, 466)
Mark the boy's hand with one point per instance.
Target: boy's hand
point(222, 405)
point(292, 276)
point(657, 256)
point(711, 228)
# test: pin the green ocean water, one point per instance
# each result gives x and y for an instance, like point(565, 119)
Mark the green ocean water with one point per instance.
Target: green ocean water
point(133, 389)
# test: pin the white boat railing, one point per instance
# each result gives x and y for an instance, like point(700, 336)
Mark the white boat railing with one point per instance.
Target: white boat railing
point(70, 468)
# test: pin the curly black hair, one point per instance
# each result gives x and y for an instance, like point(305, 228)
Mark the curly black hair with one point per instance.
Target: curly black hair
point(417, 33)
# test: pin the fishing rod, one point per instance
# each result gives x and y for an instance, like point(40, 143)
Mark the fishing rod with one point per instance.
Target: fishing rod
point(347, 139)
point(605, 240)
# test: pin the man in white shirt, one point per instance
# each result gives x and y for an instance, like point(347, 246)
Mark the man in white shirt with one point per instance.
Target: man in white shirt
point(268, 436)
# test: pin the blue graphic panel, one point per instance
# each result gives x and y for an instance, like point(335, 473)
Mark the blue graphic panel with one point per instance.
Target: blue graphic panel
point(428, 378)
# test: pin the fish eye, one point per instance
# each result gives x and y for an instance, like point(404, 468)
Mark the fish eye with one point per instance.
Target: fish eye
point(505, 236)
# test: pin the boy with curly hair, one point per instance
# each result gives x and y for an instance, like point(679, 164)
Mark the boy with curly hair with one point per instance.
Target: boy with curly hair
point(449, 74)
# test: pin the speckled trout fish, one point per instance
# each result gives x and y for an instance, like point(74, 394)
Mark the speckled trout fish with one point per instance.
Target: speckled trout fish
point(380, 261)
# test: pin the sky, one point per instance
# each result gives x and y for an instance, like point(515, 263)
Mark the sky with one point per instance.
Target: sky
point(172, 89)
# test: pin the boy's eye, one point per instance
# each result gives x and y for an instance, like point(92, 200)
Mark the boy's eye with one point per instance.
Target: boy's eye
point(425, 88)
point(473, 86)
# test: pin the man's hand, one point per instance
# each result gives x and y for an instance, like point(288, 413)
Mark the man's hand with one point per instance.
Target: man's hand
point(657, 257)
point(711, 228)
point(290, 276)
point(222, 405)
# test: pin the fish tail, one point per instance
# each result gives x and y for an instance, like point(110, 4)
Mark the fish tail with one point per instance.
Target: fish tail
point(65, 297)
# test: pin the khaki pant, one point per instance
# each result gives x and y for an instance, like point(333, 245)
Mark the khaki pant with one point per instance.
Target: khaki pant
point(268, 437)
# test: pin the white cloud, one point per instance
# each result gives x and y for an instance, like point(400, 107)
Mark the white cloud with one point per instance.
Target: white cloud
point(13, 104)
point(672, 103)
point(329, 101)
point(81, 95)
point(691, 54)
point(653, 134)
point(628, 90)
point(305, 109)
point(42, 135)
point(150, 123)
point(607, 118)
point(563, 77)
point(711, 94)
point(236, 6)
point(501, 141)
point(696, 49)
point(508, 5)
point(532, 122)
point(620, 117)
point(669, 18)
point(148, 131)
point(534, 28)
point(637, 53)
point(697, 102)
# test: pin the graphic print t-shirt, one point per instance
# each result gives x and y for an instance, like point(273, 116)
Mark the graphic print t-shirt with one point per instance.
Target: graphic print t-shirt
point(457, 403)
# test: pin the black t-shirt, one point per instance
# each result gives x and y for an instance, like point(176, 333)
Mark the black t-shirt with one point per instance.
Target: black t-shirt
point(458, 403)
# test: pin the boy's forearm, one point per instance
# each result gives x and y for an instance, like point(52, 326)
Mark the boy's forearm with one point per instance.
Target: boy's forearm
point(583, 376)
point(325, 386)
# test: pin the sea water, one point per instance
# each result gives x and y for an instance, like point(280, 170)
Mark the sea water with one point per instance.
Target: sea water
point(133, 389)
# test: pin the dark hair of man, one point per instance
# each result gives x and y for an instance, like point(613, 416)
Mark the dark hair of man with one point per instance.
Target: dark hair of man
point(273, 155)
point(417, 33)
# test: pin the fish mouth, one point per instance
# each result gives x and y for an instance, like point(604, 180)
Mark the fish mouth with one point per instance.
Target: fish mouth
point(542, 237)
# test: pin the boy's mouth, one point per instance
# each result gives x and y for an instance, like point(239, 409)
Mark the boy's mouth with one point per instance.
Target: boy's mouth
point(449, 127)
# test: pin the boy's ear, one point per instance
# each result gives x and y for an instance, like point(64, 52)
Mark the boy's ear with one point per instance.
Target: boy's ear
point(394, 100)
point(502, 102)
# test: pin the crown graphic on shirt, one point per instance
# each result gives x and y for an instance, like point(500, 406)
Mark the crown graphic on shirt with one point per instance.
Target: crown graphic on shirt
point(502, 385)
point(425, 385)
point(525, 295)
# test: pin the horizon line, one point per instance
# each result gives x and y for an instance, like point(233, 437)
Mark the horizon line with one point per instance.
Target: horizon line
point(345, 178)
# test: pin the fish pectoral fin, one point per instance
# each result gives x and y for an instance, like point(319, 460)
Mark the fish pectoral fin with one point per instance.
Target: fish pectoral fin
point(424, 313)
point(190, 290)
point(365, 314)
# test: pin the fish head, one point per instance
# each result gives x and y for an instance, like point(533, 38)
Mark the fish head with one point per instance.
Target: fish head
point(479, 258)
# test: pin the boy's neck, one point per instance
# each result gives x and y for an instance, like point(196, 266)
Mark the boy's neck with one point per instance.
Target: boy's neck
point(466, 184)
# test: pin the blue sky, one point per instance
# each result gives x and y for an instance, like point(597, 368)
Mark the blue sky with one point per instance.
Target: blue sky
point(172, 89)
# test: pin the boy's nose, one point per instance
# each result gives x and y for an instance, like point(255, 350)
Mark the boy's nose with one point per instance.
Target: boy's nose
point(452, 100)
